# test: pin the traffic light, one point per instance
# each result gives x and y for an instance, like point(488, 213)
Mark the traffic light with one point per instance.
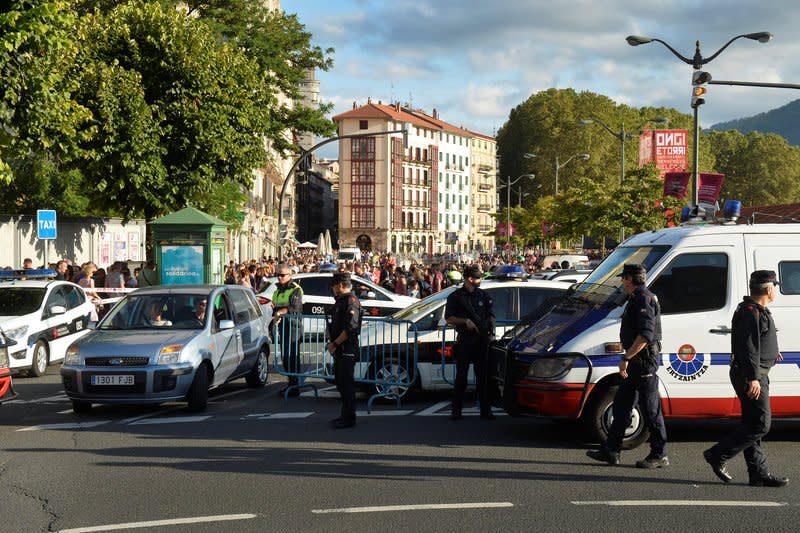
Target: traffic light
point(699, 89)
point(283, 231)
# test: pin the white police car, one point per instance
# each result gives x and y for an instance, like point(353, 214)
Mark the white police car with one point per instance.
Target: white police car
point(43, 316)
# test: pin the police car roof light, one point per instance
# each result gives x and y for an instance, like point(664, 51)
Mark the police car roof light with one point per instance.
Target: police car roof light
point(685, 213)
point(510, 272)
point(327, 267)
point(28, 274)
point(732, 210)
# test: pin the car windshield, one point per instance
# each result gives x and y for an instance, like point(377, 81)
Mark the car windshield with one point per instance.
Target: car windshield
point(603, 285)
point(424, 306)
point(18, 301)
point(158, 311)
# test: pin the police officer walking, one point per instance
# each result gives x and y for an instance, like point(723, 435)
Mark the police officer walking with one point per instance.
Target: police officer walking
point(640, 334)
point(343, 331)
point(288, 299)
point(469, 310)
point(754, 347)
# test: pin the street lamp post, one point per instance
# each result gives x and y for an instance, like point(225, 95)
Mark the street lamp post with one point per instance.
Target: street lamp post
point(510, 184)
point(556, 164)
point(697, 63)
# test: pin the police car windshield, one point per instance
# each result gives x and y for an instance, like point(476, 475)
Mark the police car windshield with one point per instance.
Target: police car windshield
point(424, 306)
point(18, 301)
point(602, 286)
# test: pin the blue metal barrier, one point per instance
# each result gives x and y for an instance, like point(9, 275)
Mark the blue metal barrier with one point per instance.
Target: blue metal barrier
point(386, 362)
point(448, 339)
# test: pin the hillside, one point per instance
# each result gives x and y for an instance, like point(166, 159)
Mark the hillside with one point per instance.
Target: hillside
point(784, 121)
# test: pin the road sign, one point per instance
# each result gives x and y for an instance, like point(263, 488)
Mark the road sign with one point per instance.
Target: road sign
point(45, 224)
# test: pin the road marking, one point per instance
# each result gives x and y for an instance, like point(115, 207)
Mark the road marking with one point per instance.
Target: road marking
point(421, 507)
point(148, 415)
point(215, 399)
point(280, 416)
point(158, 523)
point(66, 425)
point(65, 412)
point(170, 420)
point(681, 503)
point(396, 412)
point(61, 397)
point(432, 410)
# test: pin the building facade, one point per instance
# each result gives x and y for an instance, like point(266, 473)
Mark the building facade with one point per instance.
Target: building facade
point(413, 199)
point(483, 192)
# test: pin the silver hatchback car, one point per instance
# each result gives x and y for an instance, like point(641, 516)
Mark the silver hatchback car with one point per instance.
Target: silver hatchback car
point(162, 344)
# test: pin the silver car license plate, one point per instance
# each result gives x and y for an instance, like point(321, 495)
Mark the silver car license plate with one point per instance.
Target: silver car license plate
point(126, 379)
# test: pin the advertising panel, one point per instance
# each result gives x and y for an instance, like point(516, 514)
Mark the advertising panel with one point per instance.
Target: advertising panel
point(667, 148)
point(182, 265)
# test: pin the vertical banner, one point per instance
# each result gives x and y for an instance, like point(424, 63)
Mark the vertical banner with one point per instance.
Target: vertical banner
point(133, 246)
point(645, 146)
point(708, 187)
point(105, 248)
point(667, 148)
point(676, 184)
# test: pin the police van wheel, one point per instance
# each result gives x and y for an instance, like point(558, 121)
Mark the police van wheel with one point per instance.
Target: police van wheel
point(198, 392)
point(259, 375)
point(40, 356)
point(598, 418)
point(392, 369)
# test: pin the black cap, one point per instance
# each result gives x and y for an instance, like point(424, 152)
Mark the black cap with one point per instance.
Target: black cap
point(340, 277)
point(760, 277)
point(633, 269)
point(472, 271)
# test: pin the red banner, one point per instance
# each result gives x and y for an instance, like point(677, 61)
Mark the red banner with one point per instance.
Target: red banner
point(708, 187)
point(676, 184)
point(668, 148)
point(501, 229)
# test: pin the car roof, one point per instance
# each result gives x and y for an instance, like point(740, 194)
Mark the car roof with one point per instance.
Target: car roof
point(39, 283)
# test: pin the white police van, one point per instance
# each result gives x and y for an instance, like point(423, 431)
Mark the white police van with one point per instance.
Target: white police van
point(566, 364)
point(43, 317)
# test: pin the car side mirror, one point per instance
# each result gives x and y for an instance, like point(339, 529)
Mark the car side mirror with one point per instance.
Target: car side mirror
point(57, 310)
point(226, 324)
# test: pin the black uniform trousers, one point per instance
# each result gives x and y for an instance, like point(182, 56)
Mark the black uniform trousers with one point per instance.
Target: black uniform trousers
point(645, 385)
point(344, 363)
point(754, 424)
point(475, 351)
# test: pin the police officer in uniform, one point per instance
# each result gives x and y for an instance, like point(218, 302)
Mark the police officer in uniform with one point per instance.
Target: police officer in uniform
point(288, 299)
point(343, 330)
point(469, 310)
point(640, 334)
point(754, 347)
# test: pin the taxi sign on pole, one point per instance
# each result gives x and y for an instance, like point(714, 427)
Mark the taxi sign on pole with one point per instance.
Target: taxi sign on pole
point(45, 224)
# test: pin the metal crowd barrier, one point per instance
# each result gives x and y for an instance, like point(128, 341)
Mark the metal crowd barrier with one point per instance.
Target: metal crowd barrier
point(448, 363)
point(386, 362)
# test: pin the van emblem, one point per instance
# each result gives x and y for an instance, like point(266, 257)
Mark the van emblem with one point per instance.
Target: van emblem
point(686, 364)
point(116, 361)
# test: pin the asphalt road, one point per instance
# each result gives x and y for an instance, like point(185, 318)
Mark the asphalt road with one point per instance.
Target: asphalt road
point(253, 462)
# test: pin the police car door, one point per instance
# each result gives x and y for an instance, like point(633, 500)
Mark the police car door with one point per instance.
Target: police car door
point(781, 253)
point(698, 292)
point(56, 323)
point(227, 342)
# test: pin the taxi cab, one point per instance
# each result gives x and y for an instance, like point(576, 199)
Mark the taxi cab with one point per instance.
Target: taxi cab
point(43, 316)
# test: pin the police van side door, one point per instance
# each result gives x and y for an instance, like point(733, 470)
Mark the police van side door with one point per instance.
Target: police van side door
point(781, 252)
point(698, 291)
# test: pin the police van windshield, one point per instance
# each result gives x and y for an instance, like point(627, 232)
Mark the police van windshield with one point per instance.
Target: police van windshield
point(602, 286)
point(424, 306)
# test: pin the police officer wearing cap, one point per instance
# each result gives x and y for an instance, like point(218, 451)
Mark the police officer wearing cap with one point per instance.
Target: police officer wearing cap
point(343, 329)
point(288, 299)
point(640, 334)
point(469, 310)
point(754, 347)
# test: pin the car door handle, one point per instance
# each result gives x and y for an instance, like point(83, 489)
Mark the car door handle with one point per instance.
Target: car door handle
point(721, 330)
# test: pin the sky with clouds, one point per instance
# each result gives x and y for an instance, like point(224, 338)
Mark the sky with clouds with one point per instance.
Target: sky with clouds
point(474, 61)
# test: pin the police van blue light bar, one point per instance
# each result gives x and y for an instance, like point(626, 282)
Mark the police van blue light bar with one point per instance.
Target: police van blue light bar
point(686, 213)
point(38, 273)
point(732, 210)
point(327, 267)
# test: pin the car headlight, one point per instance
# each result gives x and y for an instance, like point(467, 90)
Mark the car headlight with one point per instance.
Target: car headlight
point(17, 333)
point(550, 367)
point(72, 357)
point(170, 354)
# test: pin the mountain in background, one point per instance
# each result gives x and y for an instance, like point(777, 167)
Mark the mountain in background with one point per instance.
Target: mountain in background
point(784, 121)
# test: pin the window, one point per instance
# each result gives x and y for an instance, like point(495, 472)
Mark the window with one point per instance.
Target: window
point(57, 297)
point(501, 304)
point(74, 296)
point(363, 149)
point(363, 124)
point(693, 282)
point(362, 217)
point(530, 299)
point(789, 276)
point(244, 310)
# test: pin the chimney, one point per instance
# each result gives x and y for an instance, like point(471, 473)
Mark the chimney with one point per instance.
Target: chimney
point(354, 104)
point(369, 99)
point(435, 113)
point(380, 103)
point(397, 106)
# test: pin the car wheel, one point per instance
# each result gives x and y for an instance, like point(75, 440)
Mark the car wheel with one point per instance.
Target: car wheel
point(81, 406)
point(392, 370)
point(198, 392)
point(259, 375)
point(598, 418)
point(40, 356)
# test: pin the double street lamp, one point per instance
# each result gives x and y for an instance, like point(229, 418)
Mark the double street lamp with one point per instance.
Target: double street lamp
point(556, 164)
point(697, 63)
point(510, 183)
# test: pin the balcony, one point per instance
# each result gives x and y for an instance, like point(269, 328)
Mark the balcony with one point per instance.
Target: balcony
point(415, 161)
point(484, 186)
point(416, 227)
point(486, 228)
point(485, 169)
point(484, 208)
